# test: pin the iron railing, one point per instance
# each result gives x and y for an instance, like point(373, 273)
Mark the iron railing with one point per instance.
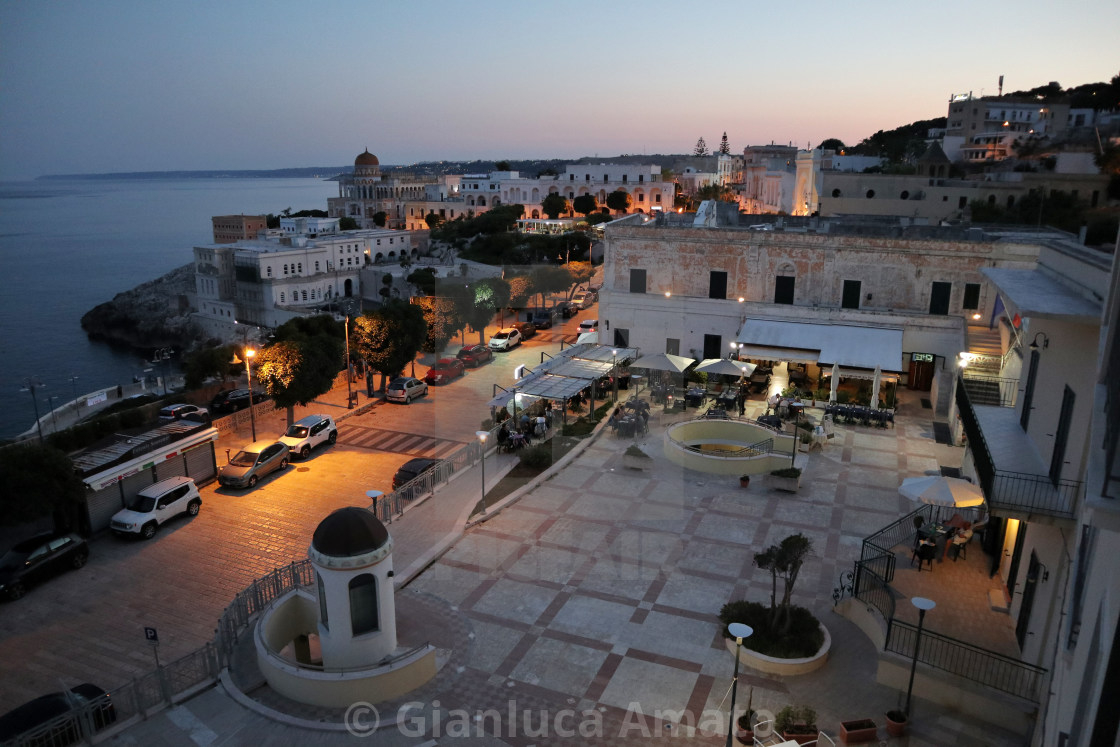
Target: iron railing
point(994, 391)
point(971, 662)
point(1007, 490)
point(755, 449)
point(870, 587)
point(901, 532)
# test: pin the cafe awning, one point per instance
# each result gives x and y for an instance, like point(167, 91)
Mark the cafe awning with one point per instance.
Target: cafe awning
point(824, 343)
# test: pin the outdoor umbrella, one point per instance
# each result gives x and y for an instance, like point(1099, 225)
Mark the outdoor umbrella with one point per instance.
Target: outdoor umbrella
point(875, 384)
point(726, 367)
point(835, 382)
point(941, 491)
point(663, 362)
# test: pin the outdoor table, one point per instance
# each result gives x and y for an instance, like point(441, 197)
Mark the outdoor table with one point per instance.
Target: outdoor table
point(726, 401)
point(694, 397)
point(716, 414)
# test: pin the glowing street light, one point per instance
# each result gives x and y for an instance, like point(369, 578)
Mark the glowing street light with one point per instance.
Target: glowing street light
point(249, 353)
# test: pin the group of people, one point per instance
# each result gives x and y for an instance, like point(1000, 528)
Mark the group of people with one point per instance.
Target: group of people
point(517, 435)
point(640, 410)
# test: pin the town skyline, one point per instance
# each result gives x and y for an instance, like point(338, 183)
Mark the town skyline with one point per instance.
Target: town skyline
point(126, 87)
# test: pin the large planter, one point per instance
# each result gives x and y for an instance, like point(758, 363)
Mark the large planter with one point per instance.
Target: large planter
point(788, 484)
point(855, 732)
point(801, 737)
point(896, 723)
point(637, 462)
point(744, 734)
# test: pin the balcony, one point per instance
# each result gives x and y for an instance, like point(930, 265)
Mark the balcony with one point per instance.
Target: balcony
point(1011, 472)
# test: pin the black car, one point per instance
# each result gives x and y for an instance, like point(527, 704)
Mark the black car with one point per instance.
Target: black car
point(526, 329)
point(412, 469)
point(36, 714)
point(565, 309)
point(543, 318)
point(231, 400)
point(38, 559)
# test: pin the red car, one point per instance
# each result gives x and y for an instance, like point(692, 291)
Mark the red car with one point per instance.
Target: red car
point(474, 355)
point(444, 371)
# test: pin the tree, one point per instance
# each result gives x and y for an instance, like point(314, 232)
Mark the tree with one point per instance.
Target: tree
point(783, 560)
point(619, 201)
point(484, 299)
point(555, 204)
point(379, 218)
point(578, 272)
point(520, 288)
point(502, 166)
point(585, 204)
point(550, 279)
point(39, 481)
point(724, 147)
point(720, 192)
point(441, 315)
point(433, 219)
point(346, 223)
point(204, 363)
point(424, 279)
point(833, 143)
point(701, 148)
point(389, 337)
point(303, 362)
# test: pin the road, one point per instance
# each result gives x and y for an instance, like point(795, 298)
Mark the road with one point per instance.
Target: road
point(87, 625)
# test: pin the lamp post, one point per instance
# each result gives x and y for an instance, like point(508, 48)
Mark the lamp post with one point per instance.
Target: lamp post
point(482, 452)
point(249, 353)
point(163, 355)
point(74, 386)
point(30, 384)
point(614, 373)
point(738, 631)
point(923, 605)
point(50, 404)
point(349, 395)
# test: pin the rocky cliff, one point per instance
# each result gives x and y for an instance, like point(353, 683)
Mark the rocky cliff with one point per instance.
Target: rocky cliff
point(153, 315)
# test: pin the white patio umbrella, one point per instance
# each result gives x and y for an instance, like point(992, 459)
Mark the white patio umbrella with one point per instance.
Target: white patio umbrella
point(835, 382)
point(726, 367)
point(663, 362)
point(875, 384)
point(941, 491)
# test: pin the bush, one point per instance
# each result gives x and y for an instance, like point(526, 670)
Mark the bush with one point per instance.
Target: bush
point(796, 719)
point(787, 472)
point(805, 637)
point(634, 451)
point(537, 457)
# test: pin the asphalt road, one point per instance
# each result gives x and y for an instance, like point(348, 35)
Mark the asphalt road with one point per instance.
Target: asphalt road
point(87, 625)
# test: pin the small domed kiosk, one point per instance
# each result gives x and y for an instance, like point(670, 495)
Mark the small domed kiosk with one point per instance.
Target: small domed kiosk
point(334, 642)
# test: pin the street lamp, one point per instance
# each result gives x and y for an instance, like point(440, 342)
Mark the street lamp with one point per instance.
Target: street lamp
point(163, 355)
point(923, 605)
point(74, 386)
point(30, 384)
point(738, 631)
point(249, 353)
point(50, 404)
point(614, 373)
point(482, 451)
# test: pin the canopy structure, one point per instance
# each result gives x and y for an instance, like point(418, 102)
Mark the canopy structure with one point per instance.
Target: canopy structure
point(564, 375)
point(941, 491)
point(726, 366)
point(823, 343)
point(663, 362)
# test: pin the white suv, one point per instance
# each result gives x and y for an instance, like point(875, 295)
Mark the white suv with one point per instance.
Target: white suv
point(505, 339)
point(156, 504)
point(307, 433)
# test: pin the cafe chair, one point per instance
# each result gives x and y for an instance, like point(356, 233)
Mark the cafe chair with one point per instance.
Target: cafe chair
point(924, 553)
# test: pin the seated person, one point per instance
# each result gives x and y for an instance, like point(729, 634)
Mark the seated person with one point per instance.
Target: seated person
point(503, 438)
point(957, 522)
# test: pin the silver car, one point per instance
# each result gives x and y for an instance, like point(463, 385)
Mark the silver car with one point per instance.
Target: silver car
point(252, 463)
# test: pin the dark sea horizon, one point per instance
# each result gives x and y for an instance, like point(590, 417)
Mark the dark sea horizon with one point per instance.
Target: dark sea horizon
point(69, 245)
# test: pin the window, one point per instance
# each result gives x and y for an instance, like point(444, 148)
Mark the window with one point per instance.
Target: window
point(905, 195)
point(971, 296)
point(316, 265)
point(641, 178)
point(299, 268)
point(657, 197)
point(836, 193)
point(322, 601)
point(1084, 553)
point(962, 202)
point(870, 193)
point(269, 271)
point(672, 346)
point(622, 337)
point(939, 298)
point(1028, 391)
point(363, 605)
point(1061, 436)
point(281, 297)
point(783, 289)
point(713, 346)
point(637, 281)
point(850, 299)
point(717, 284)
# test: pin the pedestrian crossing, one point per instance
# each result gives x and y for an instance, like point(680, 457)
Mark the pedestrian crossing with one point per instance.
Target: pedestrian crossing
point(396, 441)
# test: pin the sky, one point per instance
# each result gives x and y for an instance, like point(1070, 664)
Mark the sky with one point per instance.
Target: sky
point(114, 85)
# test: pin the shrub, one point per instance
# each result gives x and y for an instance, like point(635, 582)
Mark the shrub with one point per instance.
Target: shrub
point(804, 638)
point(787, 472)
point(537, 457)
point(796, 719)
point(843, 397)
point(634, 451)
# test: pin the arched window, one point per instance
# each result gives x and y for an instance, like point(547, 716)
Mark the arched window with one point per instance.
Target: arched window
point(836, 193)
point(300, 266)
point(322, 601)
point(285, 269)
point(304, 295)
point(482, 201)
point(363, 604)
point(281, 296)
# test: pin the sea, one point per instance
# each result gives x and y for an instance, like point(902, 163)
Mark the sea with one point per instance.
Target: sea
point(69, 245)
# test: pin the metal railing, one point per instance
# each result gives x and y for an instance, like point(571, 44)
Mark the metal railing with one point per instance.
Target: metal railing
point(869, 586)
point(756, 449)
point(971, 662)
point(901, 532)
point(990, 390)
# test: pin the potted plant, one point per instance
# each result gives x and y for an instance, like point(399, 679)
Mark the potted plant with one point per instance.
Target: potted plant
point(860, 730)
point(745, 723)
point(744, 481)
point(788, 479)
point(635, 458)
point(896, 722)
point(797, 723)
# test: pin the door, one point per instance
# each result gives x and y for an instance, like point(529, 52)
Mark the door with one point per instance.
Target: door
point(921, 375)
point(1028, 393)
point(783, 290)
point(713, 346)
point(939, 298)
point(1061, 436)
point(1029, 587)
point(850, 299)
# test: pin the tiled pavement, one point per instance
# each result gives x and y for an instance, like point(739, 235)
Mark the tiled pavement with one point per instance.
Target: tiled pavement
point(598, 592)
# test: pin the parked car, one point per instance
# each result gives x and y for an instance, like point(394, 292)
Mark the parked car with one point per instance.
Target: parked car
point(306, 433)
point(526, 329)
point(412, 469)
point(39, 558)
point(474, 355)
point(444, 371)
point(252, 463)
point(155, 504)
point(582, 300)
point(589, 325)
point(565, 309)
point(50, 707)
point(543, 318)
point(177, 411)
point(505, 339)
point(231, 400)
point(405, 389)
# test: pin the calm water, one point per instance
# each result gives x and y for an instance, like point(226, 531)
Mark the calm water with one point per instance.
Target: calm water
point(66, 246)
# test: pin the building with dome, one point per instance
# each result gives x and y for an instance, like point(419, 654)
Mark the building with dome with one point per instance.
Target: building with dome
point(366, 192)
point(335, 643)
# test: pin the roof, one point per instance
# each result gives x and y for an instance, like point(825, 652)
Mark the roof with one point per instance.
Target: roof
point(823, 343)
point(365, 158)
point(1035, 293)
point(348, 532)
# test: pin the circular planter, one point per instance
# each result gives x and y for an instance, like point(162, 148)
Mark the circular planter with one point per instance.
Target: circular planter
point(773, 665)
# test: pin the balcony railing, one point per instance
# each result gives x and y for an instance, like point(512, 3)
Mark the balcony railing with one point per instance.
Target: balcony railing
point(990, 390)
point(971, 662)
point(1007, 490)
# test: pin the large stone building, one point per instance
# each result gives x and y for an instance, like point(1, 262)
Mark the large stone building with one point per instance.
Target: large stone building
point(367, 192)
point(231, 228)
